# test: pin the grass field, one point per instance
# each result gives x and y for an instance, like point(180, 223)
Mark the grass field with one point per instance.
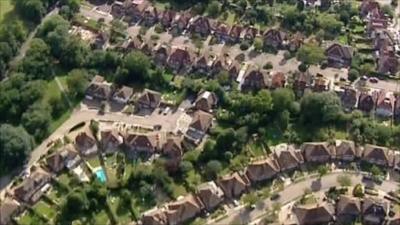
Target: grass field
point(5, 7)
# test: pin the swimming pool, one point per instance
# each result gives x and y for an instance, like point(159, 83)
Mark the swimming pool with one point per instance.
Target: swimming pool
point(101, 175)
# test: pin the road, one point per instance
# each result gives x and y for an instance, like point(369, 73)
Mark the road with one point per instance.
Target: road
point(241, 215)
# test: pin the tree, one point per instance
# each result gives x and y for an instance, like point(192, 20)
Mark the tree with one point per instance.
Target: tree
point(329, 24)
point(36, 120)
point(185, 167)
point(31, 10)
point(310, 54)
point(213, 9)
point(74, 53)
point(358, 191)
point(58, 105)
point(213, 167)
point(37, 62)
point(135, 67)
point(322, 170)
point(320, 108)
point(344, 180)
point(15, 145)
point(282, 99)
point(353, 75)
point(258, 44)
point(77, 82)
point(250, 199)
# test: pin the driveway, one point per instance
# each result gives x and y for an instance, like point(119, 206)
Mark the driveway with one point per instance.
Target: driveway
point(241, 215)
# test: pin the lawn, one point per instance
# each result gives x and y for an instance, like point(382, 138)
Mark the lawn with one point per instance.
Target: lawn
point(94, 162)
point(65, 179)
point(29, 219)
point(123, 213)
point(5, 7)
point(230, 20)
point(101, 218)
point(256, 148)
point(178, 190)
point(44, 209)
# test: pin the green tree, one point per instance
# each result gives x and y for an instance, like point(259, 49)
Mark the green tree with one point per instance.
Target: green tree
point(250, 199)
point(282, 99)
point(213, 167)
point(310, 54)
point(213, 9)
point(15, 145)
point(36, 120)
point(322, 170)
point(353, 75)
point(329, 24)
point(31, 10)
point(135, 67)
point(37, 62)
point(258, 44)
point(77, 82)
point(320, 108)
point(358, 191)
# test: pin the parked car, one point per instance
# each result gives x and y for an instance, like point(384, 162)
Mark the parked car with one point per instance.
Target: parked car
point(166, 110)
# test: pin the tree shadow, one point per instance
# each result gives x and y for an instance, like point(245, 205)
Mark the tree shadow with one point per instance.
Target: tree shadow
point(316, 185)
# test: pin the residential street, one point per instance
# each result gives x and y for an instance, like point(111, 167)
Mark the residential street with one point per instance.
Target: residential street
point(169, 123)
point(240, 215)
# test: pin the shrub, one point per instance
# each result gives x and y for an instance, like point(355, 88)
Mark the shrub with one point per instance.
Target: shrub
point(268, 66)
point(244, 46)
point(158, 29)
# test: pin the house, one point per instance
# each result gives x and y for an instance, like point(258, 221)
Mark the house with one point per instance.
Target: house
point(302, 80)
point(183, 209)
point(349, 98)
point(135, 10)
point(98, 89)
point(234, 69)
point(278, 80)
point(249, 33)
point(206, 101)
point(345, 150)
point(375, 26)
point(221, 63)
point(316, 152)
point(117, 9)
point(339, 56)
point(233, 184)
point(180, 60)
point(287, 157)
point(149, 100)
point(85, 142)
point(253, 80)
point(111, 140)
point(261, 170)
point(384, 104)
point(295, 42)
point(382, 39)
point(160, 54)
point(200, 25)
point(222, 32)
point(201, 122)
point(31, 189)
point(274, 38)
point(166, 18)
point(348, 209)
point(67, 157)
point(8, 209)
point(388, 64)
point(204, 63)
point(314, 214)
point(123, 95)
point(374, 211)
point(154, 216)
point(210, 194)
point(180, 23)
point(145, 144)
point(377, 155)
point(394, 221)
point(320, 83)
point(366, 102)
point(150, 16)
point(234, 34)
point(368, 7)
point(172, 152)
